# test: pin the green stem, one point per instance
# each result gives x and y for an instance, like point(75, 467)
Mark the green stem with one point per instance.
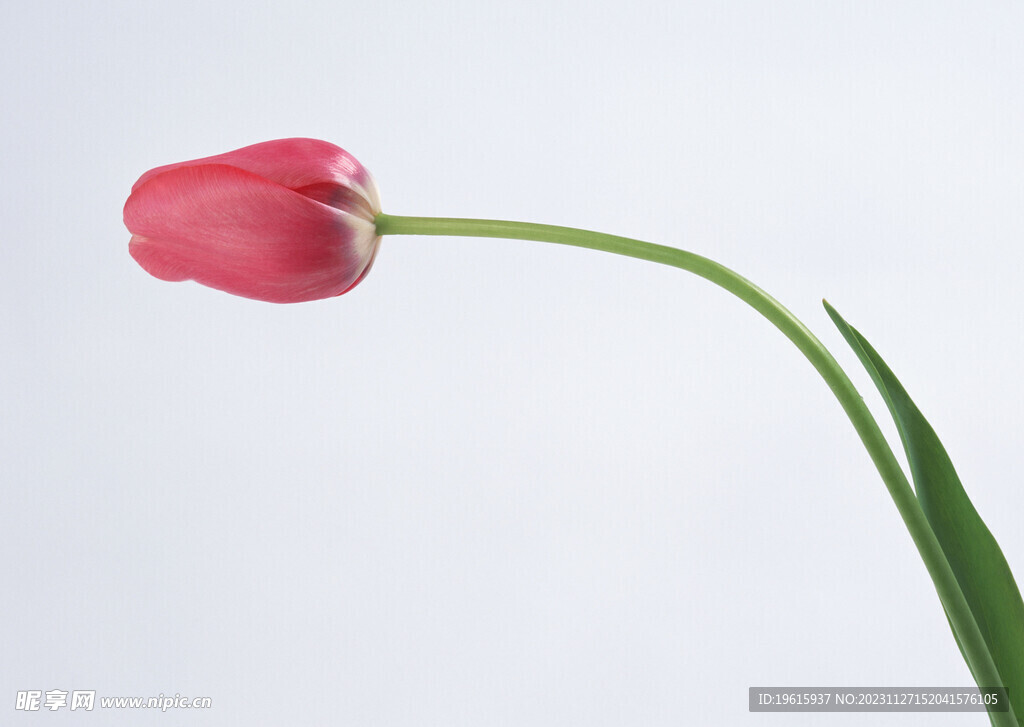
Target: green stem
point(878, 448)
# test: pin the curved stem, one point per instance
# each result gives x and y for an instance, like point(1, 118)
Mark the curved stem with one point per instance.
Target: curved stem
point(878, 448)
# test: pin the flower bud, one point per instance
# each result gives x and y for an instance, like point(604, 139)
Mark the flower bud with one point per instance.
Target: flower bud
point(283, 221)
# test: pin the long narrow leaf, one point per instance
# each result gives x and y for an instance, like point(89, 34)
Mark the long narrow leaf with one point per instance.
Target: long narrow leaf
point(973, 554)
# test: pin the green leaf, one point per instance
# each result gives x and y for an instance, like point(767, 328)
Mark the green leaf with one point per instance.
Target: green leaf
point(973, 554)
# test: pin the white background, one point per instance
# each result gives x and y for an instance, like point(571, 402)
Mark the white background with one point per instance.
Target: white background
point(502, 482)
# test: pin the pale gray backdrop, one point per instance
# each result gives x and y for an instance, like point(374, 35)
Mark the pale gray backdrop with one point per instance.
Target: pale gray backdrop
point(502, 482)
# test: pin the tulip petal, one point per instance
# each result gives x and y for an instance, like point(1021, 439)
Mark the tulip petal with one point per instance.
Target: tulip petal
point(233, 230)
point(292, 163)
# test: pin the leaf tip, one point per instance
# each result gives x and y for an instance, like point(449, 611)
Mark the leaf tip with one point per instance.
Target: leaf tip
point(833, 313)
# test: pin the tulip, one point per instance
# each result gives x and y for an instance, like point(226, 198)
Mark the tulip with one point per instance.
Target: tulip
point(299, 219)
point(283, 221)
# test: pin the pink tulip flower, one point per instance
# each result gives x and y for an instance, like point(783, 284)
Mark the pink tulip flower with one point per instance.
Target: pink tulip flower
point(283, 221)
